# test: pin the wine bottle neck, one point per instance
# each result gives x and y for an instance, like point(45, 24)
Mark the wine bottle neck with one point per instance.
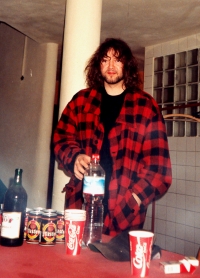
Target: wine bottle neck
point(18, 180)
point(18, 177)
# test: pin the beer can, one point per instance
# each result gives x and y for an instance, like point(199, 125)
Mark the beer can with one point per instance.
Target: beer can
point(48, 229)
point(26, 222)
point(39, 208)
point(50, 211)
point(60, 225)
point(33, 226)
point(0, 219)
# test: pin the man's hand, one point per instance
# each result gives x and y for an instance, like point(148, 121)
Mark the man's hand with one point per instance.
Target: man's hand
point(137, 199)
point(81, 163)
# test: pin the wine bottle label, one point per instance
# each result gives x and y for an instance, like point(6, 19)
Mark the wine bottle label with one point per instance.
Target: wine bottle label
point(11, 225)
point(93, 185)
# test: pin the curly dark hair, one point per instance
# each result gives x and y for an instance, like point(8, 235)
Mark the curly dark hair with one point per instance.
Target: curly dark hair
point(94, 78)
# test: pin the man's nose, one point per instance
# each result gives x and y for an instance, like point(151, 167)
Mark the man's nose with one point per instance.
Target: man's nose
point(111, 63)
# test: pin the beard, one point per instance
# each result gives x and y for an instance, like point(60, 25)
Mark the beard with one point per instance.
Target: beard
point(112, 80)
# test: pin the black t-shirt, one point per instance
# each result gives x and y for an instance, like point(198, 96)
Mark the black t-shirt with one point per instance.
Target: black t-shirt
point(110, 109)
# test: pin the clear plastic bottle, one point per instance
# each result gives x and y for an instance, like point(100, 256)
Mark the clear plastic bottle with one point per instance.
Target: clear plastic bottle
point(93, 193)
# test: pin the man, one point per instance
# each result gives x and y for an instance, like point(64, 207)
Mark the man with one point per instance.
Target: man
point(115, 119)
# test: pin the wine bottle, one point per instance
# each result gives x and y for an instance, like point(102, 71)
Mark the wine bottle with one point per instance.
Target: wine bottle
point(14, 212)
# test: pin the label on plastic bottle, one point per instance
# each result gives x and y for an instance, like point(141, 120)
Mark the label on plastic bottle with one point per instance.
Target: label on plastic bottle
point(11, 224)
point(93, 185)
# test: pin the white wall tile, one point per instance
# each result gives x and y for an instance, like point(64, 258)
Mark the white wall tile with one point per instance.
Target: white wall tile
point(191, 158)
point(148, 82)
point(174, 171)
point(189, 233)
point(180, 231)
point(148, 71)
point(192, 41)
point(181, 158)
point(190, 173)
point(190, 188)
point(172, 141)
point(189, 218)
point(173, 157)
point(182, 44)
point(190, 203)
point(170, 229)
point(197, 204)
point(149, 90)
point(197, 236)
point(197, 183)
point(166, 50)
point(180, 201)
point(173, 188)
point(197, 173)
point(180, 172)
point(197, 221)
point(171, 199)
point(198, 39)
point(173, 46)
point(160, 226)
point(179, 246)
point(149, 61)
point(162, 201)
point(180, 216)
point(170, 243)
point(197, 159)
point(196, 250)
point(190, 144)
point(181, 144)
point(180, 186)
point(149, 210)
point(171, 214)
point(148, 52)
point(197, 146)
point(161, 212)
point(160, 240)
point(157, 50)
point(147, 224)
point(189, 249)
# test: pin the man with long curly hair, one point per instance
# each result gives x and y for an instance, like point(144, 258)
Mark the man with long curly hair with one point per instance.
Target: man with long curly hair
point(121, 123)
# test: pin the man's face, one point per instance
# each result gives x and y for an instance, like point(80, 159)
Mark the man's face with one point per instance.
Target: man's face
point(112, 68)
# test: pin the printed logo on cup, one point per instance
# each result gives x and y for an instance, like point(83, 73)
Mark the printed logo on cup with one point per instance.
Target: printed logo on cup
point(73, 231)
point(74, 227)
point(140, 252)
point(139, 261)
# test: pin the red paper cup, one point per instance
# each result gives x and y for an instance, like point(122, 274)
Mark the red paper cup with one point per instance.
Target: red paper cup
point(140, 252)
point(74, 228)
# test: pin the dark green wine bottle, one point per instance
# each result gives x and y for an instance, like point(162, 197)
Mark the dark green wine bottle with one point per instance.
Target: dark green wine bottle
point(14, 212)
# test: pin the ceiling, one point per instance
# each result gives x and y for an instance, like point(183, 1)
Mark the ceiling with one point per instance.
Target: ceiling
point(139, 22)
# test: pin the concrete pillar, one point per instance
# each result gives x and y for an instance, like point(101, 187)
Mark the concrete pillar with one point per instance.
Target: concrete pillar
point(42, 151)
point(81, 38)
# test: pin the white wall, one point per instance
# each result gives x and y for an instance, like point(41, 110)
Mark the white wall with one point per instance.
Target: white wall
point(177, 224)
point(24, 107)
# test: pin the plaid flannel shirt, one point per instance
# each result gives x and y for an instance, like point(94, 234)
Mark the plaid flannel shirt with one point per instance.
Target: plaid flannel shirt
point(139, 150)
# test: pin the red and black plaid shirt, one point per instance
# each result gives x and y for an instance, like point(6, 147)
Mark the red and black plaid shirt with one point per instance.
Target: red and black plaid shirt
point(138, 147)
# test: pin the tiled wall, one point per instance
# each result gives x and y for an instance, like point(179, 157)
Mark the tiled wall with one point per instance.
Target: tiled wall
point(177, 222)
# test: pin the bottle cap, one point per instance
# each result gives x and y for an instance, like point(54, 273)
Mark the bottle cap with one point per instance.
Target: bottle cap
point(95, 157)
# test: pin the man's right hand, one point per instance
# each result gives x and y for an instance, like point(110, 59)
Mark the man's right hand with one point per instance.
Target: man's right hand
point(81, 163)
